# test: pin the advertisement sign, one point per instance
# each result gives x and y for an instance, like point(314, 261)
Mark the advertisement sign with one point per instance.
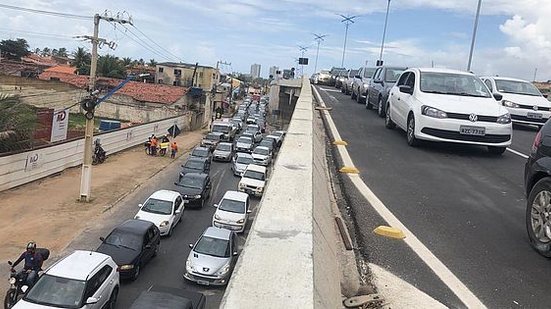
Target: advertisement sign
point(60, 124)
point(33, 161)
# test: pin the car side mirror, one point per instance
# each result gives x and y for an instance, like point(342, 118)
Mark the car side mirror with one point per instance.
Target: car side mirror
point(102, 239)
point(357, 76)
point(148, 246)
point(249, 211)
point(191, 246)
point(235, 253)
point(545, 95)
point(177, 212)
point(10, 263)
point(215, 205)
point(378, 81)
point(406, 89)
point(497, 96)
point(91, 300)
point(175, 183)
point(140, 205)
point(24, 289)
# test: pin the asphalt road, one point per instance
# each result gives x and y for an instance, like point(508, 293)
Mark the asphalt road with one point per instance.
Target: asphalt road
point(465, 205)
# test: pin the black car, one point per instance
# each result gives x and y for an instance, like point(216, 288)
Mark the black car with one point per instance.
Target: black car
point(195, 189)
point(201, 152)
point(169, 298)
point(537, 182)
point(131, 245)
point(379, 86)
point(196, 165)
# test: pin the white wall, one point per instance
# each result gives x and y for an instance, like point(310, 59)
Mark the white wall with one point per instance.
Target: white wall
point(31, 165)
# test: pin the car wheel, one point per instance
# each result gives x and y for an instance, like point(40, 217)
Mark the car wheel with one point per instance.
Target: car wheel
point(113, 298)
point(156, 252)
point(170, 231)
point(353, 95)
point(496, 150)
point(359, 97)
point(412, 141)
point(136, 272)
point(202, 203)
point(388, 121)
point(381, 108)
point(538, 217)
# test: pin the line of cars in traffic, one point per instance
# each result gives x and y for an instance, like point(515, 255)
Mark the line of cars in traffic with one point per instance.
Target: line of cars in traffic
point(443, 105)
point(91, 279)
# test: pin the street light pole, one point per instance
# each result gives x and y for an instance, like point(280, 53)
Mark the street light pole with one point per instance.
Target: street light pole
point(474, 35)
point(347, 20)
point(384, 35)
point(318, 38)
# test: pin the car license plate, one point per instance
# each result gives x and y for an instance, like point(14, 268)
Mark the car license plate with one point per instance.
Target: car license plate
point(468, 130)
point(186, 201)
point(203, 282)
point(534, 115)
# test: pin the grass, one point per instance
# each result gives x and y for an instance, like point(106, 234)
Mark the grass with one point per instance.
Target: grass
point(78, 121)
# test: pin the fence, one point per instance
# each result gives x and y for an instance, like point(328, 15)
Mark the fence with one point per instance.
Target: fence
point(24, 167)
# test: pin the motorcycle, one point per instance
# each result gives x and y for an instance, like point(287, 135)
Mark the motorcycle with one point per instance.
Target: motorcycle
point(18, 282)
point(99, 155)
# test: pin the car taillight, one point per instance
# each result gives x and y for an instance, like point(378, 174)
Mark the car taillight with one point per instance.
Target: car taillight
point(537, 142)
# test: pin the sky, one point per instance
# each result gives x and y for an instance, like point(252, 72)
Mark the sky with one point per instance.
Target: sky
point(514, 36)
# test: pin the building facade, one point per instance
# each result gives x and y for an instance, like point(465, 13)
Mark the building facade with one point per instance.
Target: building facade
point(181, 74)
point(255, 70)
point(273, 71)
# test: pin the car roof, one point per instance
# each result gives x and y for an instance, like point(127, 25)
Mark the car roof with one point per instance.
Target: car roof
point(195, 175)
point(442, 70)
point(256, 168)
point(235, 195)
point(215, 232)
point(77, 265)
point(225, 143)
point(507, 78)
point(169, 297)
point(262, 147)
point(199, 159)
point(215, 133)
point(200, 148)
point(393, 67)
point(165, 195)
point(242, 154)
point(134, 226)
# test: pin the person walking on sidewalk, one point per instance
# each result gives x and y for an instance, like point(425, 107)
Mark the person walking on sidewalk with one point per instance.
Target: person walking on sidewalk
point(173, 149)
point(153, 146)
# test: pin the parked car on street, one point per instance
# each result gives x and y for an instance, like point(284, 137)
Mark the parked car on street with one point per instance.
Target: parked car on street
point(340, 78)
point(169, 298)
point(335, 73)
point(232, 212)
point(195, 189)
point(201, 152)
point(244, 144)
point(131, 245)
point(324, 77)
point(361, 84)
point(448, 106)
point(212, 257)
point(83, 279)
point(164, 208)
point(240, 162)
point(314, 78)
point(379, 87)
point(212, 139)
point(523, 100)
point(348, 81)
point(262, 155)
point(253, 180)
point(223, 152)
point(195, 165)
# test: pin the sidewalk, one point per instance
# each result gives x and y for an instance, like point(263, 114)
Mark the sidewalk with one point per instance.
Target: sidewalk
point(48, 212)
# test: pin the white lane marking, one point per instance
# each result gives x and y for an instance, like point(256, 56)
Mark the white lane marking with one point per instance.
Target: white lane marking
point(330, 90)
point(520, 154)
point(448, 278)
point(219, 180)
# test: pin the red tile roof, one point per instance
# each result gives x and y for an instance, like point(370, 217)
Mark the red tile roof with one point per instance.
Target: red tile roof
point(62, 69)
point(36, 59)
point(156, 93)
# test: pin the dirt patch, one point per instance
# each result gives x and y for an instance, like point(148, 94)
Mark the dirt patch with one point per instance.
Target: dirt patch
point(48, 212)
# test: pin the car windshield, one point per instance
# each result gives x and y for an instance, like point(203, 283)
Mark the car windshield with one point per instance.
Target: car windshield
point(392, 74)
point(232, 206)
point(126, 240)
point(353, 73)
point(518, 87)
point(212, 137)
point(369, 72)
point(244, 160)
point(195, 165)
point(324, 72)
point(261, 151)
point(191, 182)
point(254, 175)
point(213, 246)
point(220, 128)
point(223, 147)
point(200, 152)
point(453, 84)
point(57, 292)
point(266, 143)
point(156, 206)
point(245, 140)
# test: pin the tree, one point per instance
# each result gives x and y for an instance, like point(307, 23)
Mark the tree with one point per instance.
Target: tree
point(111, 66)
point(152, 63)
point(37, 51)
point(14, 49)
point(17, 124)
point(127, 61)
point(141, 62)
point(54, 52)
point(82, 61)
point(62, 52)
point(46, 52)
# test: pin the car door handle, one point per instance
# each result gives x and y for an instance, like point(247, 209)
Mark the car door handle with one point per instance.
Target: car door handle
point(398, 99)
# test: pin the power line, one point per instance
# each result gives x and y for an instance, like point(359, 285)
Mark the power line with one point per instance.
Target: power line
point(147, 44)
point(50, 13)
point(156, 43)
point(139, 43)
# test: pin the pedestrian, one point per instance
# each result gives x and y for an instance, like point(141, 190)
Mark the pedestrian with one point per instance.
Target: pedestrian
point(173, 149)
point(154, 146)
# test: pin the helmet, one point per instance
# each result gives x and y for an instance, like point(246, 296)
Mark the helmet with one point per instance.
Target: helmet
point(31, 245)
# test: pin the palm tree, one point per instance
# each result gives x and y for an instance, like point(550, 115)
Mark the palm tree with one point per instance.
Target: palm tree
point(126, 61)
point(111, 66)
point(17, 124)
point(62, 52)
point(82, 61)
point(152, 63)
point(37, 51)
point(54, 52)
point(141, 62)
point(46, 51)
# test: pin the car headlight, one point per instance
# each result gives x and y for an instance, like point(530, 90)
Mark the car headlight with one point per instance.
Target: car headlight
point(241, 221)
point(504, 119)
point(366, 85)
point(197, 196)
point(163, 224)
point(216, 217)
point(510, 104)
point(13, 280)
point(433, 112)
point(240, 186)
point(224, 270)
point(127, 267)
point(189, 266)
point(137, 217)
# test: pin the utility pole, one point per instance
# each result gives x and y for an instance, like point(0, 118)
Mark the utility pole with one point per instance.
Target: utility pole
point(535, 73)
point(380, 62)
point(86, 175)
point(302, 49)
point(318, 38)
point(215, 87)
point(474, 35)
point(347, 20)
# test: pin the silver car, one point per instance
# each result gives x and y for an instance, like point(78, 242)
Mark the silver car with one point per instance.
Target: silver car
point(240, 162)
point(212, 257)
point(223, 152)
point(244, 144)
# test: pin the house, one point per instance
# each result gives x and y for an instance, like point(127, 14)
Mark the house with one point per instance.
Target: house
point(181, 74)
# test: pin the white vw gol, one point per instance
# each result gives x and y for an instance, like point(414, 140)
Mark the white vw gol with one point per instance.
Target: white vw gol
point(448, 106)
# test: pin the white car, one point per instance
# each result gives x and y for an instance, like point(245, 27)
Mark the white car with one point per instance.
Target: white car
point(244, 144)
point(448, 106)
point(253, 180)
point(262, 155)
point(523, 100)
point(83, 279)
point(232, 211)
point(164, 208)
point(240, 162)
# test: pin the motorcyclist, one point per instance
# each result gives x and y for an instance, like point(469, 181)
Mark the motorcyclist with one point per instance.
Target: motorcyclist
point(33, 263)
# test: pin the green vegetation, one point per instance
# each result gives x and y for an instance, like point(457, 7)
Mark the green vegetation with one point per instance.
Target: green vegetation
point(17, 124)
